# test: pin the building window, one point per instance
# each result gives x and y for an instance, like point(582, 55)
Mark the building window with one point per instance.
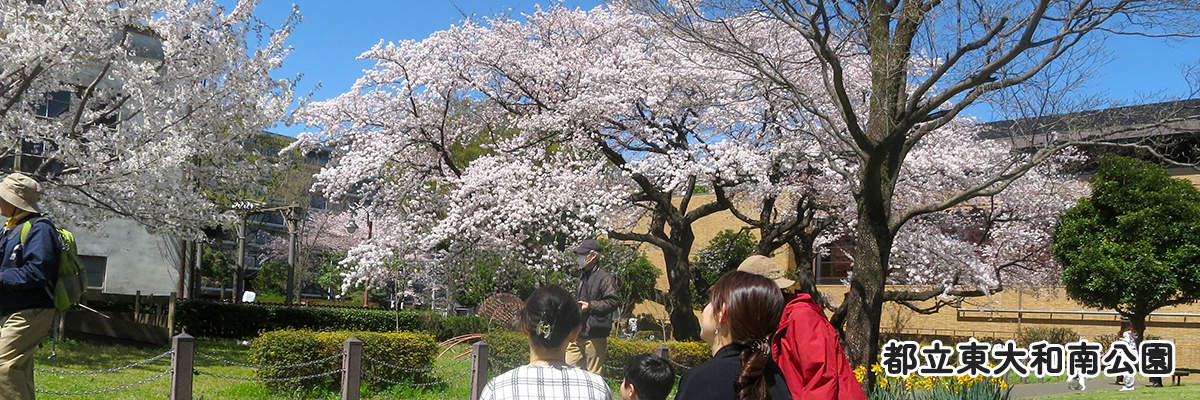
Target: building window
point(835, 266)
point(96, 267)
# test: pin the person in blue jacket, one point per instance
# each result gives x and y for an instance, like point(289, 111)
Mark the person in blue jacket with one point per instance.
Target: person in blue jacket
point(28, 274)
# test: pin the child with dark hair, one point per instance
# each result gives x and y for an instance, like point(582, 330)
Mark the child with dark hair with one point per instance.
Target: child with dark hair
point(550, 319)
point(738, 323)
point(647, 377)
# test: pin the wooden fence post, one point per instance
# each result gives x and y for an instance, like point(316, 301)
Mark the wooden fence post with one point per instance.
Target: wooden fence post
point(137, 307)
point(663, 351)
point(171, 314)
point(479, 368)
point(352, 366)
point(182, 361)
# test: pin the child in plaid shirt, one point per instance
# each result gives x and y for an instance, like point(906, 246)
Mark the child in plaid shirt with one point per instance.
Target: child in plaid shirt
point(551, 319)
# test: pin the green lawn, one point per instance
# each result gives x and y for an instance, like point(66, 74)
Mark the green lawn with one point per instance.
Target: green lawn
point(1186, 392)
point(73, 356)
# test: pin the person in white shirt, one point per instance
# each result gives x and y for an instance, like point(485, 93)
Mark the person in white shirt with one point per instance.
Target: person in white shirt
point(551, 319)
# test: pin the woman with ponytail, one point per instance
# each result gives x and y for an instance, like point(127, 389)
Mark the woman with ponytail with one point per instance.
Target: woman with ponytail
point(738, 322)
point(551, 319)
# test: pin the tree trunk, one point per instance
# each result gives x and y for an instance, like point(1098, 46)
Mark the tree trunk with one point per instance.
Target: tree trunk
point(802, 254)
point(679, 274)
point(1138, 320)
point(864, 302)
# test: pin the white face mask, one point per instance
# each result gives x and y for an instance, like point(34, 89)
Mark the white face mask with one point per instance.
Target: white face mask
point(582, 260)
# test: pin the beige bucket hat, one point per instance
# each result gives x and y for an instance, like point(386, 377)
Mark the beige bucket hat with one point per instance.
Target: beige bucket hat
point(21, 191)
point(761, 265)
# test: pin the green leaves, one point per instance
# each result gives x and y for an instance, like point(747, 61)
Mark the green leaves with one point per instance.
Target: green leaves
point(1133, 245)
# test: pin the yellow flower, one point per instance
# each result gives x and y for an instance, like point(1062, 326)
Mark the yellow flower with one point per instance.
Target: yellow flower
point(860, 373)
point(877, 368)
point(883, 383)
point(908, 386)
point(1003, 385)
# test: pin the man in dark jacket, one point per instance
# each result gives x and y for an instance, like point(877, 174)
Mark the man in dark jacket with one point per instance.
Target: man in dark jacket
point(597, 297)
point(28, 274)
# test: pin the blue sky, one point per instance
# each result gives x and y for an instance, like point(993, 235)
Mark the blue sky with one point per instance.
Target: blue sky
point(334, 33)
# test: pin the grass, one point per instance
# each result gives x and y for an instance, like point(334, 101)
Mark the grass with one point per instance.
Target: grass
point(75, 356)
point(1186, 392)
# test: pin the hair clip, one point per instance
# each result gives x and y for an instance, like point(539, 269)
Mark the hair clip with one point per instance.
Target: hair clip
point(763, 345)
point(544, 329)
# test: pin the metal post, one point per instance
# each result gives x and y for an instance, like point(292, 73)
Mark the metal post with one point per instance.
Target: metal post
point(239, 276)
point(292, 217)
point(182, 359)
point(352, 368)
point(479, 368)
point(171, 314)
point(137, 306)
point(663, 351)
point(197, 281)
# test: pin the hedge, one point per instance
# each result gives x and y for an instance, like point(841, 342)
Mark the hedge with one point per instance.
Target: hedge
point(225, 320)
point(512, 349)
point(287, 347)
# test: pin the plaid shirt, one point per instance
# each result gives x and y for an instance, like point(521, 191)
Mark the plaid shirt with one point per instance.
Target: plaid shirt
point(544, 382)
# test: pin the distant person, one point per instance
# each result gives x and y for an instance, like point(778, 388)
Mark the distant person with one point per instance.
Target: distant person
point(647, 377)
point(806, 346)
point(1128, 336)
point(28, 274)
point(550, 319)
point(738, 322)
point(597, 295)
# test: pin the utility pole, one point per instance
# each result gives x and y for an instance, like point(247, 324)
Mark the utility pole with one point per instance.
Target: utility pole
point(293, 216)
point(239, 280)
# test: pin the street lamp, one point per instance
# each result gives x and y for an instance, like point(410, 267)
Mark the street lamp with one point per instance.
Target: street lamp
point(351, 226)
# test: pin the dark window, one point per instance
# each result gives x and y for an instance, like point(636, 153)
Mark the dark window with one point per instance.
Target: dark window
point(832, 268)
point(318, 202)
point(56, 104)
point(96, 267)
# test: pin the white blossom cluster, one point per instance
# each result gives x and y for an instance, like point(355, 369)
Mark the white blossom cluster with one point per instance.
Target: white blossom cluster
point(523, 136)
point(132, 108)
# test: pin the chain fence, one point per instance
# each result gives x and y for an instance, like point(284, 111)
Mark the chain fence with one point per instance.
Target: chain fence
point(290, 378)
point(255, 366)
point(408, 369)
point(102, 391)
point(447, 380)
point(106, 371)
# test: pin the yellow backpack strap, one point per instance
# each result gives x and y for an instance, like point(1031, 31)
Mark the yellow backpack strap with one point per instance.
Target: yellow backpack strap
point(25, 227)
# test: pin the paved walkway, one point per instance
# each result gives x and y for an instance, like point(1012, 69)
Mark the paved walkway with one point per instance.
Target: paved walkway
point(1049, 389)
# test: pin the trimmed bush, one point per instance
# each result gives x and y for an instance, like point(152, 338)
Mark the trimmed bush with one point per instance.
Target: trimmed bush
point(684, 353)
point(287, 347)
point(506, 350)
point(458, 326)
point(1052, 335)
point(224, 320)
point(511, 349)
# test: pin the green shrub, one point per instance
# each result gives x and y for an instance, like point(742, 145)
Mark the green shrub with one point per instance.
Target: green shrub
point(1052, 335)
point(225, 320)
point(511, 349)
point(286, 347)
point(457, 326)
point(506, 350)
point(689, 354)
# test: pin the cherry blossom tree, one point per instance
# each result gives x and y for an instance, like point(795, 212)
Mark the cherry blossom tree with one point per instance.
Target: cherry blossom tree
point(128, 109)
point(556, 92)
point(926, 62)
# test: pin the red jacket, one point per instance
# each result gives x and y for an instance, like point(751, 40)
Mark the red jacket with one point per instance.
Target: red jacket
point(806, 348)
